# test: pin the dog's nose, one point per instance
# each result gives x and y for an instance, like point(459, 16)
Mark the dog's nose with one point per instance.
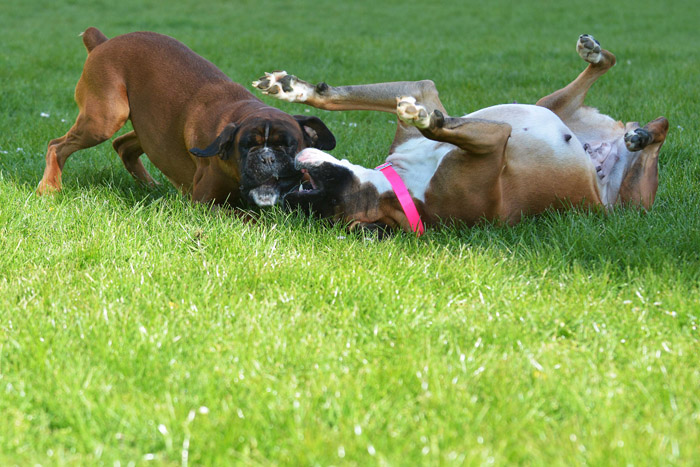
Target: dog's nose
point(267, 157)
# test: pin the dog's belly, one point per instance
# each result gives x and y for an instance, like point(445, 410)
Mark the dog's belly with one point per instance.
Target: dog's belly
point(539, 139)
point(545, 163)
point(544, 166)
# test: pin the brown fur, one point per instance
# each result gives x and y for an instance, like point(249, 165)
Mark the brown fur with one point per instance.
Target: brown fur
point(175, 99)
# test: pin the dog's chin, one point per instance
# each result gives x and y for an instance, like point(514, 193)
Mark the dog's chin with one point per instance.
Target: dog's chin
point(270, 192)
point(265, 195)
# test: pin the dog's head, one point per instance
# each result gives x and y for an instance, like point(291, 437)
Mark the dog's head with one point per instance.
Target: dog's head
point(345, 192)
point(264, 146)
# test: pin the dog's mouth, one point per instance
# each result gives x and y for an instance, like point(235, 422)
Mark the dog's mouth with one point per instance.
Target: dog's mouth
point(269, 193)
point(306, 186)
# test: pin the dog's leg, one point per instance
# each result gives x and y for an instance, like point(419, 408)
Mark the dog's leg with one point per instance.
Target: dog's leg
point(129, 149)
point(638, 188)
point(104, 109)
point(636, 139)
point(475, 136)
point(380, 96)
point(470, 175)
point(566, 101)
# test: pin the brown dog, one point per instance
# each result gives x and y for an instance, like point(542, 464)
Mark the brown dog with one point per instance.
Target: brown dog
point(177, 102)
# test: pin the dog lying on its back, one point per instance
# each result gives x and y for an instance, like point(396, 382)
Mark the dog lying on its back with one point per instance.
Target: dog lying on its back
point(178, 102)
point(497, 163)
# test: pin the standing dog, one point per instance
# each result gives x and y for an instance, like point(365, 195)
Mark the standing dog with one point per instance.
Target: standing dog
point(497, 163)
point(178, 102)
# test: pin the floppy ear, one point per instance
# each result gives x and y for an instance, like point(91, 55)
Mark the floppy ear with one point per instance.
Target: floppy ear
point(316, 133)
point(222, 145)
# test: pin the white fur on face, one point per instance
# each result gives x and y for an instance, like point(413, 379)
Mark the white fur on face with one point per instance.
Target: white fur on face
point(314, 157)
point(264, 196)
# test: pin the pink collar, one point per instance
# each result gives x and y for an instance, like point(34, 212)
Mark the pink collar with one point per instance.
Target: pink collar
point(407, 204)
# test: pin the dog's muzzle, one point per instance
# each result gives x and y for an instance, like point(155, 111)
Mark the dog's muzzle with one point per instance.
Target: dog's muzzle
point(270, 177)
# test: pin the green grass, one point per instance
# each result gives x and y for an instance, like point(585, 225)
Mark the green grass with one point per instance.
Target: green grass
point(139, 328)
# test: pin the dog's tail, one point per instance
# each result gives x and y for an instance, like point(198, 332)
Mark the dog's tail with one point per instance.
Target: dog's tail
point(92, 37)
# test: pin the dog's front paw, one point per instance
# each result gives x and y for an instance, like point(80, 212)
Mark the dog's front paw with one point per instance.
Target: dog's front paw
point(589, 48)
point(284, 86)
point(412, 113)
point(637, 139)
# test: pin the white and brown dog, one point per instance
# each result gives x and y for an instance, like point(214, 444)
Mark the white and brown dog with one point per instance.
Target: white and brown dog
point(497, 164)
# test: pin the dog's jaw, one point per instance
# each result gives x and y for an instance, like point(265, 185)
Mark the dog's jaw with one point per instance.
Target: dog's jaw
point(264, 195)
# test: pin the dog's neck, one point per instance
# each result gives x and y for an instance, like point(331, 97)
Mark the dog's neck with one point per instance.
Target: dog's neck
point(416, 161)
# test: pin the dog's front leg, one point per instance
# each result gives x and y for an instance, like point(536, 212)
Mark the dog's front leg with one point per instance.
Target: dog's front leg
point(211, 186)
point(380, 97)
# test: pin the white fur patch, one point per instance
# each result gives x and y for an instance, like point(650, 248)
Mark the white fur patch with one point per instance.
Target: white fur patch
point(416, 161)
point(315, 157)
point(300, 91)
point(409, 112)
point(590, 53)
point(264, 196)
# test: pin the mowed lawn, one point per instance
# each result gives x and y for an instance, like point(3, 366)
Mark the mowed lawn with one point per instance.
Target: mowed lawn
point(137, 328)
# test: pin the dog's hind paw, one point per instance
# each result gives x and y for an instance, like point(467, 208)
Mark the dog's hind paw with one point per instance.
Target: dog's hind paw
point(637, 139)
point(412, 113)
point(589, 48)
point(284, 86)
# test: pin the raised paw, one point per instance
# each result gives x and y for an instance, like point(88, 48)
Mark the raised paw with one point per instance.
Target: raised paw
point(283, 86)
point(637, 139)
point(412, 113)
point(589, 48)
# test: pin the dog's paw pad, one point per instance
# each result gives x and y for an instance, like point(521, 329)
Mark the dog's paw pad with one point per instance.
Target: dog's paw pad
point(589, 48)
point(283, 86)
point(412, 113)
point(264, 83)
point(637, 139)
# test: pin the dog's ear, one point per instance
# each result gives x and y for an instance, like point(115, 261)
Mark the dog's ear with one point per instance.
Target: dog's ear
point(316, 133)
point(222, 145)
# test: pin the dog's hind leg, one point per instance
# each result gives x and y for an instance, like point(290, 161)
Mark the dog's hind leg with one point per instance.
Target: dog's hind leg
point(104, 109)
point(129, 149)
point(566, 101)
point(475, 136)
point(637, 139)
point(638, 188)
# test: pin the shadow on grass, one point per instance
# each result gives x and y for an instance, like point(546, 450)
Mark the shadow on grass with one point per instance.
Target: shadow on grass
point(622, 240)
point(667, 237)
point(94, 172)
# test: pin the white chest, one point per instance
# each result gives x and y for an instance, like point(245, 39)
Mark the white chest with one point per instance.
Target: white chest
point(416, 161)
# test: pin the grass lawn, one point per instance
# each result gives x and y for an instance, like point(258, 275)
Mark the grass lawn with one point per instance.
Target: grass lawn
point(137, 328)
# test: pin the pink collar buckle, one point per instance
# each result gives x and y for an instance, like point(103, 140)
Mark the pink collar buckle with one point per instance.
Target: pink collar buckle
point(407, 204)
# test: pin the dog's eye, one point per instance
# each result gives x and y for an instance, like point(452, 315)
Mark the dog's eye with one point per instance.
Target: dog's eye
point(283, 143)
point(253, 140)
